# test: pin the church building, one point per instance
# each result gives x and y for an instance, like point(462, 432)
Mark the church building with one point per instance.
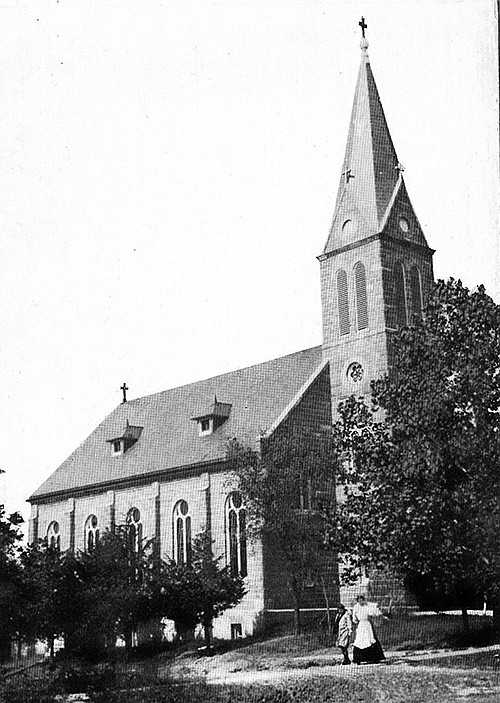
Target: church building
point(159, 462)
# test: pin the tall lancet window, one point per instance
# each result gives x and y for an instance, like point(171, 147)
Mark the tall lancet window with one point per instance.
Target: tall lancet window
point(416, 293)
point(343, 302)
point(54, 535)
point(91, 533)
point(400, 295)
point(182, 533)
point(236, 541)
point(361, 297)
point(134, 527)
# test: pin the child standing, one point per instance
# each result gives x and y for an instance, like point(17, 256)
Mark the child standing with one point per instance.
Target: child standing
point(343, 625)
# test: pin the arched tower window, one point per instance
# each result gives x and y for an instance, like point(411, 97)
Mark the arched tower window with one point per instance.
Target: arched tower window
point(236, 541)
point(134, 528)
point(54, 535)
point(400, 295)
point(416, 293)
point(361, 297)
point(182, 533)
point(91, 533)
point(343, 302)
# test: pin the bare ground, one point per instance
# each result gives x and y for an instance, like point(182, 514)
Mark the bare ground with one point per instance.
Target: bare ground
point(450, 683)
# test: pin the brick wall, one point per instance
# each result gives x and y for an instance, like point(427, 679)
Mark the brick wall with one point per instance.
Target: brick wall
point(314, 411)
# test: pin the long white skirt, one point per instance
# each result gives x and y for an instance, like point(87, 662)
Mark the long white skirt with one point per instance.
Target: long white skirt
point(365, 636)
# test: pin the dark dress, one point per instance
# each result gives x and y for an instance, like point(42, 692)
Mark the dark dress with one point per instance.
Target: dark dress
point(367, 649)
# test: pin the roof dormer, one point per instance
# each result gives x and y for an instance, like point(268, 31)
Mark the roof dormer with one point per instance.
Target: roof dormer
point(213, 417)
point(127, 439)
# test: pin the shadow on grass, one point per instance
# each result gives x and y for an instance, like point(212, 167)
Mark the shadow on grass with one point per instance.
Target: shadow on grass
point(484, 661)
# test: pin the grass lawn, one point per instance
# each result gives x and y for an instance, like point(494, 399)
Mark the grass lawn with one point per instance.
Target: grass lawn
point(294, 669)
point(400, 632)
point(485, 661)
point(433, 632)
point(378, 685)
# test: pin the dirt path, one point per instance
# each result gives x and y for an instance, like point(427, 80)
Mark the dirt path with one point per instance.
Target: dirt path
point(314, 667)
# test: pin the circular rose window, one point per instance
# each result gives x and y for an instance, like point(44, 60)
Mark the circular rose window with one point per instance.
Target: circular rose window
point(355, 372)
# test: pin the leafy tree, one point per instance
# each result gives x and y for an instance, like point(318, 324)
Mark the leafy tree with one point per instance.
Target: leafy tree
point(285, 485)
point(89, 598)
point(117, 575)
point(10, 577)
point(197, 592)
point(52, 588)
point(94, 597)
point(423, 486)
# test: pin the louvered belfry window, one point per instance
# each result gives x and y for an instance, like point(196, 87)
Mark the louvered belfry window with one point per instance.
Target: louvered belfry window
point(416, 293)
point(361, 296)
point(400, 295)
point(343, 302)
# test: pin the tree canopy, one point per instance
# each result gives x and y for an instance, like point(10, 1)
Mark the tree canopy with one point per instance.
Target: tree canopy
point(284, 486)
point(11, 611)
point(422, 493)
point(197, 592)
point(92, 598)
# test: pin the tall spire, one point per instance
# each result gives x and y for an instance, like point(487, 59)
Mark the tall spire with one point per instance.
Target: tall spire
point(371, 172)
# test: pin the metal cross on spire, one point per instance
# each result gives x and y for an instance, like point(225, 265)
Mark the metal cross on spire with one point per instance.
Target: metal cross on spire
point(347, 175)
point(363, 26)
point(124, 388)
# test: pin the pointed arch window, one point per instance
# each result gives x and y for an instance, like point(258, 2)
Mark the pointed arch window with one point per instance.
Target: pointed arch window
point(182, 533)
point(54, 535)
point(236, 541)
point(134, 529)
point(91, 533)
point(400, 295)
point(416, 293)
point(361, 296)
point(343, 302)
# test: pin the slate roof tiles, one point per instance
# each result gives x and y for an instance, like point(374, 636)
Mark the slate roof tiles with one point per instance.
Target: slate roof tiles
point(170, 439)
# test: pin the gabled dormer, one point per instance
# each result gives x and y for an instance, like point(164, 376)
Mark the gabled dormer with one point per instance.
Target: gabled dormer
point(129, 436)
point(212, 417)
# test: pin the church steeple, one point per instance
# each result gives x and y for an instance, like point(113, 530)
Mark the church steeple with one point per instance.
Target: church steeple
point(371, 172)
point(376, 268)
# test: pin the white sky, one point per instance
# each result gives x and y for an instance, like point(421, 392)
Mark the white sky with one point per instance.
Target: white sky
point(168, 173)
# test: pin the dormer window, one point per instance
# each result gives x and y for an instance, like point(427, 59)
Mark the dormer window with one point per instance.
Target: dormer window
point(213, 417)
point(127, 439)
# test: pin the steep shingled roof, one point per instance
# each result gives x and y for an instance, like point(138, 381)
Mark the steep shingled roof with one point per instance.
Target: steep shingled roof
point(371, 170)
point(170, 439)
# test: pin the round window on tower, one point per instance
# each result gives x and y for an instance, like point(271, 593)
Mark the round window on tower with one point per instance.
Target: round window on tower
point(355, 372)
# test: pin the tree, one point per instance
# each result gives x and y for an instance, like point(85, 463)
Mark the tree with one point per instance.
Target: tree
point(89, 598)
point(53, 595)
point(10, 578)
point(117, 584)
point(423, 489)
point(197, 592)
point(94, 597)
point(284, 485)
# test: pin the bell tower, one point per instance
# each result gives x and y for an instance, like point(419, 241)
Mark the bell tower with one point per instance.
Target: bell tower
point(376, 267)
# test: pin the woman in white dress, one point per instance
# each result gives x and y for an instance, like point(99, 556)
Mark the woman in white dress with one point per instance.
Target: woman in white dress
point(366, 647)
